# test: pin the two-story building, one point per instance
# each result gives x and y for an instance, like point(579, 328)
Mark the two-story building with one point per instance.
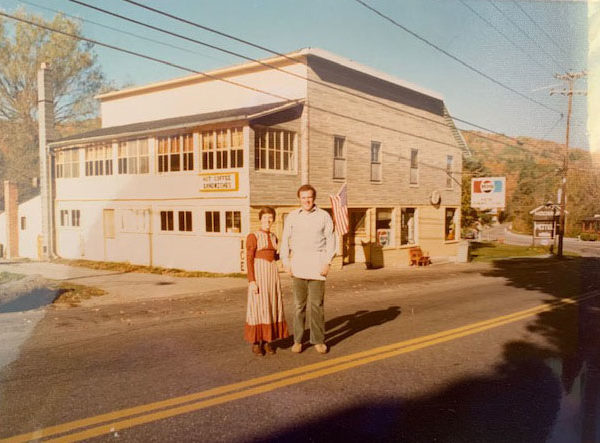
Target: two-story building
point(177, 173)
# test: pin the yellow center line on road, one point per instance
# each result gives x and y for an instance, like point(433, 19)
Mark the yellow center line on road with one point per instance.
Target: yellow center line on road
point(176, 406)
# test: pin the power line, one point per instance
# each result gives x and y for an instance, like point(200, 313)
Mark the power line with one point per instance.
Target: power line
point(232, 82)
point(183, 20)
point(540, 28)
point(289, 100)
point(455, 58)
point(516, 25)
point(263, 63)
point(121, 31)
point(506, 37)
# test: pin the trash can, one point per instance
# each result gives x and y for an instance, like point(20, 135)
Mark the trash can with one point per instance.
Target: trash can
point(462, 255)
point(376, 258)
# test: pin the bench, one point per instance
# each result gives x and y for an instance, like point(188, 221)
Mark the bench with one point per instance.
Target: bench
point(416, 257)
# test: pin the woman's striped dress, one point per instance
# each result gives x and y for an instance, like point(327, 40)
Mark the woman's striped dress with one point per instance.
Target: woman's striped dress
point(265, 320)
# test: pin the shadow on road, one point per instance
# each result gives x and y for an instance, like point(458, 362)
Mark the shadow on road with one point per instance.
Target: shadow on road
point(340, 328)
point(537, 393)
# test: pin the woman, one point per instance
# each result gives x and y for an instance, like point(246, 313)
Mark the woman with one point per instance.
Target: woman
point(265, 321)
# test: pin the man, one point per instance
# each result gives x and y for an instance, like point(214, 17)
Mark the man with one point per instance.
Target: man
point(307, 248)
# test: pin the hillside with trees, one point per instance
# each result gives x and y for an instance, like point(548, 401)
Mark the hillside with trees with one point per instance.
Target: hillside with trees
point(533, 171)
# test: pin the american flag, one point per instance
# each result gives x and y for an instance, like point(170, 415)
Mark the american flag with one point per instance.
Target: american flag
point(339, 203)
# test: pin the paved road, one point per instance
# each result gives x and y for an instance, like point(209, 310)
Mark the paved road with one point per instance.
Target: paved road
point(486, 352)
point(584, 248)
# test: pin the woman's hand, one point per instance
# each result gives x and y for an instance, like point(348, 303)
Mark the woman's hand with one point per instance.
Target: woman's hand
point(253, 287)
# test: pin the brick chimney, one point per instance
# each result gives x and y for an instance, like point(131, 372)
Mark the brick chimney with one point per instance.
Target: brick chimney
point(46, 134)
point(11, 208)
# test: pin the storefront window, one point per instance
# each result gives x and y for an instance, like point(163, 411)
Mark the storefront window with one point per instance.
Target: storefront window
point(450, 224)
point(384, 227)
point(407, 226)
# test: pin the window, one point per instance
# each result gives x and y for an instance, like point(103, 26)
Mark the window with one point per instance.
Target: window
point(233, 221)
point(213, 222)
point(375, 161)
point(166, 220)
point(23, 223)
point(275, 149)
point(383, 224)
point(75, 217)
point(98, 160)
point(449, 177)
point(133, 157)
point(450, 224)
point(414, 166)
point(339, 158)
point(188, 152)
point(67, 163)
point(176, 153)
point(223, 149)
point(64, 217)
point(185, 220)
point(407, 226)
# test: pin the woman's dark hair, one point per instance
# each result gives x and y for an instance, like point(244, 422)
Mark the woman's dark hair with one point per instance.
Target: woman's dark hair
point(307, 188)
point(266, 210)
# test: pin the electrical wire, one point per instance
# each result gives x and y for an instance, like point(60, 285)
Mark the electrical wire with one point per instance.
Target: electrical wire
point(506, 37)
point(516, 25)
point(455, 58)
point(166, 14)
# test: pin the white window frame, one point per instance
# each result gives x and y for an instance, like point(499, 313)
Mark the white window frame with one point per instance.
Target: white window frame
point(206, 212)
point(98, 160)
point(166, 228)
point(376, 162)
point(413, 168)
point(219, 147)
point(264, 147)
point(188, 225)
point(449, 174)
point(67, 163)
point(339, 157)
point(130, 150)
point(233, 219)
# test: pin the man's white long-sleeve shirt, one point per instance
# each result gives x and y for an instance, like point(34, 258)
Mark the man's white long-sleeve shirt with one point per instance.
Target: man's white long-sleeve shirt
point(308, 243)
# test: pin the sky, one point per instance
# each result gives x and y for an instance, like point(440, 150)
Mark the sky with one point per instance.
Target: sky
point(521, 45)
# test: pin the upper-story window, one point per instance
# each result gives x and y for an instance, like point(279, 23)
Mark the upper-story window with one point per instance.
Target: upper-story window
point(133, 157)
point(339, 157)
point(67, 163)
point(98, 160)
point(223, 149)
point(376, 174)
point(414, 166)
point(275, 149)
point(176, 153)
point(449, 177)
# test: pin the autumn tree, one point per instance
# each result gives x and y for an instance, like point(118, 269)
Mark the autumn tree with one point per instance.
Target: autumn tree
point(77, 79)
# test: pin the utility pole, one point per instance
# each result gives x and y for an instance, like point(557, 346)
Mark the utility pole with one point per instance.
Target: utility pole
point(569, 91)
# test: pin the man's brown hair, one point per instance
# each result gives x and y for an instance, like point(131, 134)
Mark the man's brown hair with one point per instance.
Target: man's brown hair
point(307, 188)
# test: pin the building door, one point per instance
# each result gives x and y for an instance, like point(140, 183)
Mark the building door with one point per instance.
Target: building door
point(357, 234)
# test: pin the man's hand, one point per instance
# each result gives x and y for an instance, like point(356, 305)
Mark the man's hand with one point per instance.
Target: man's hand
point(325, 270)
point(253, 287)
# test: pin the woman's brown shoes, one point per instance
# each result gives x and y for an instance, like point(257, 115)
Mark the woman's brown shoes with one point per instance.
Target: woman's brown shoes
point(270, 349)
point(257, 349)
